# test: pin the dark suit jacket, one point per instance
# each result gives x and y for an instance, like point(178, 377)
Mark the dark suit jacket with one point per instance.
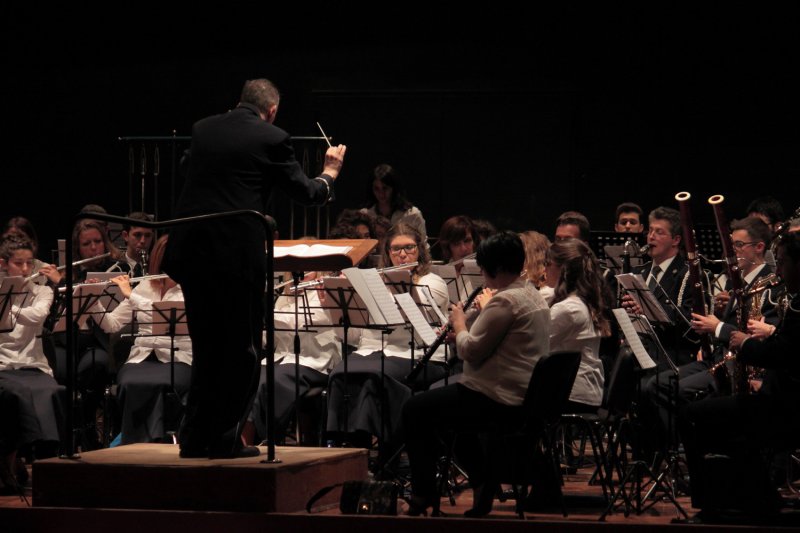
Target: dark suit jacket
point(730, 317)
point(235, 160)
point(674, 337)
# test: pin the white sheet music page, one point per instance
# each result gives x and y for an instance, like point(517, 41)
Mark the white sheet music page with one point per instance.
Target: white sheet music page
point(427, 298)
point(448, 274)
point(644, 359)
point(380, 304)
point(315, 250)
point(421, 326)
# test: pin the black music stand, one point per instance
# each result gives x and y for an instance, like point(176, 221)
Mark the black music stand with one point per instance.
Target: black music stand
point(358, 249)
point(169, 319)
point(642, 324)
point(599, 240)
point(12, 292)
point(349, 309)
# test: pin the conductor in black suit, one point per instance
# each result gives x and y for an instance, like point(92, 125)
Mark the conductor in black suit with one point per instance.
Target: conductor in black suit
point(235, 160)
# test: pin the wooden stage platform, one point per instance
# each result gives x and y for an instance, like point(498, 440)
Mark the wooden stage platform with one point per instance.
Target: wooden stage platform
point(152, 476)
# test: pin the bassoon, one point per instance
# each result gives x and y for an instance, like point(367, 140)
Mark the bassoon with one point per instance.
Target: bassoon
point(739, 384)
point(695, 271)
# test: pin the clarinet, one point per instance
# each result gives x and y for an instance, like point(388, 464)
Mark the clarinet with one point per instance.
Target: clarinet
point(438, 342)
point(695, 272)
point(740, 384)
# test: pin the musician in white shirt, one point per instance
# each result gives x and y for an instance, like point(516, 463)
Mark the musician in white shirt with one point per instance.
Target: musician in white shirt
point(25, 375)
point(146, 376)
point(388, 356)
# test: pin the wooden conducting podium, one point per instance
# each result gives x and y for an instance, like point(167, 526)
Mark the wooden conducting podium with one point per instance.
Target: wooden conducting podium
point(306, 258)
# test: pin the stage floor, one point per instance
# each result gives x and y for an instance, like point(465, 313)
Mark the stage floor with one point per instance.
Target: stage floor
point(137, 488)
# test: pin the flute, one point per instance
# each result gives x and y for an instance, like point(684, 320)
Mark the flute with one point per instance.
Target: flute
point(151, 277)
point(76, 263)
point(320, 281)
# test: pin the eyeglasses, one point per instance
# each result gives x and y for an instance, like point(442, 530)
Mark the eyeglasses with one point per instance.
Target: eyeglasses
point(740, 244)
point(407, 248)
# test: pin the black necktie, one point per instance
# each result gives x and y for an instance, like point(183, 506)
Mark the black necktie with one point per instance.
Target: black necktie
point(653, 275)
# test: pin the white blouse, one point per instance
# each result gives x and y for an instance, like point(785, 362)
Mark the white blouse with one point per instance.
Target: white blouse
point(141, 301)
point(571, 330)
point(22, 347)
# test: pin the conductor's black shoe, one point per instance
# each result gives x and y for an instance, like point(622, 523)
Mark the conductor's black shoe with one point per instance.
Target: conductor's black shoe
point(238, 452)
point(193, 453)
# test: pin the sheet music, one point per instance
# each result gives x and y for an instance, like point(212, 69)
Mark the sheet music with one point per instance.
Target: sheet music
point(430, 303)
point(398, 280)
point(112, 296)
point(421, 327)
point(83, 298)
point(625, 324)
point(380, 304)
point(161, 313)
point(635, 286)
point(315, 250)
point(448, 274)
point(471, 275)
point(357, 308)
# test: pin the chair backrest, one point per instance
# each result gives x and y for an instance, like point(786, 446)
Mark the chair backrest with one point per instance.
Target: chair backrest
point(550, 387)
point(621, 383)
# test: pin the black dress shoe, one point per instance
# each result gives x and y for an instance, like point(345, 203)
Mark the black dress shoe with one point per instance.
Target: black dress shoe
point(193, 453)
point(482, 501)
point(236, 453)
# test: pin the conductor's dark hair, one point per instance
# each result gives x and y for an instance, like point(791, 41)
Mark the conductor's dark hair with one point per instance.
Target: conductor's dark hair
point(261, 93)
point(502, 252)
point(767, 206)
point(576, 219)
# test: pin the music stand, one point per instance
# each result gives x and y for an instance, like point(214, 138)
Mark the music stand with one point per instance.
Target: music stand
point(361, 299)
point(12, 293)
point(357, 249)
point(651, 312)
point(600, 240)
point(169, 319)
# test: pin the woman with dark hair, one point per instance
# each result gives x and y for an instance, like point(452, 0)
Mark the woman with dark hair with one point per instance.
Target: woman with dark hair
point(31, 395)
point(457, 241)
point(377, 351)
point(577, 318)
point(23, 226)
point(145, 377)
point(386, 196)
point(500, 350)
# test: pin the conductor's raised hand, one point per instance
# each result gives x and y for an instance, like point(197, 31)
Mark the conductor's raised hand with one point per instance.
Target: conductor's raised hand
point(334, 159)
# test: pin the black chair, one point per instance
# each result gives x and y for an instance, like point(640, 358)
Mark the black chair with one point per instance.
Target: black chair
point(609, 424)
point(524, 456)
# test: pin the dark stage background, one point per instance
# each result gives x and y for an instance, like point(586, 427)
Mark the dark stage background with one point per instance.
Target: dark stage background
point(513, 117)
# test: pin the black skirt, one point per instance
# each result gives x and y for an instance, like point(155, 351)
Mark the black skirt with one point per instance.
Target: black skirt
point(142, 389)
point(39, 403)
